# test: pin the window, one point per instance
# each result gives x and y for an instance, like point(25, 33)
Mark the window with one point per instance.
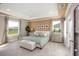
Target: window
point(56, 26)
point(13, 28)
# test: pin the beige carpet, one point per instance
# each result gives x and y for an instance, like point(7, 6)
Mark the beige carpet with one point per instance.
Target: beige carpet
point(50, 49)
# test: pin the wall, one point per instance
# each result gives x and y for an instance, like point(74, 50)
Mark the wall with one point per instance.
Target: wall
point(23, 24)
point(62, 28)
point(69, 27)
point(44, 25)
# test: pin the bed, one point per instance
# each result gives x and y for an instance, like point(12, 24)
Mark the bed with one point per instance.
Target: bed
point(40, 37)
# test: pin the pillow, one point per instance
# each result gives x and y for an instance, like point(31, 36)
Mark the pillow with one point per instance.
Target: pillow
point(36, 34)
point(44, 34)
point(41, 33)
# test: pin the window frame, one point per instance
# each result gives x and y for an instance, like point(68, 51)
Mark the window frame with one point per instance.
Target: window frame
point(8, 28)
point(53, 28)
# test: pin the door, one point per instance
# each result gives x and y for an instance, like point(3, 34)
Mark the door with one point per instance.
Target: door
point(13, 30)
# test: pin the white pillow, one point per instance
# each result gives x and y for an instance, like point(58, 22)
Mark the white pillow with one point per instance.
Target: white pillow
point(36, 34)
point(41, 33)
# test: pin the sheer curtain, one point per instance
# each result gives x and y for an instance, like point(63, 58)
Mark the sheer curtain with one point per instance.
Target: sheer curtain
point(13, 29)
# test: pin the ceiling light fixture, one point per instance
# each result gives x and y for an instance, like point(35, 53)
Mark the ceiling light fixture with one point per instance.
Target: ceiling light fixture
point(8, 9)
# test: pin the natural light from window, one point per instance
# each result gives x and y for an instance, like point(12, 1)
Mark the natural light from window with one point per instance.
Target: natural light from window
point(56, 26)
point(13, 24)
point(13, 28)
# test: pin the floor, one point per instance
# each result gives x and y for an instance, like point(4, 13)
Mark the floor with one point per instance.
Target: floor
point(50, 49)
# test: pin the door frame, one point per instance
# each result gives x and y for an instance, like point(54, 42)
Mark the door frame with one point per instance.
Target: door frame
point(74, 29)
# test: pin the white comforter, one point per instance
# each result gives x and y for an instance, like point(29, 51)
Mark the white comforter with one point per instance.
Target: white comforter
point(40, 41)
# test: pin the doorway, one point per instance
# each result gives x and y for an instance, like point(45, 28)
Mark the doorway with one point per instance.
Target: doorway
point(13, 30)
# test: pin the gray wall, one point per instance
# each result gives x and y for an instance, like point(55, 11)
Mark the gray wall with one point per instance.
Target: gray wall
point(23, 24)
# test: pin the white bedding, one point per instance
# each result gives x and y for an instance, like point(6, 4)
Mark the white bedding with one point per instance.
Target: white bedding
point(40, 40)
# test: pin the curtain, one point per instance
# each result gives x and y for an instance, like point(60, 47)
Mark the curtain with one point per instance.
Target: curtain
point(13, 37)
point(3, 24)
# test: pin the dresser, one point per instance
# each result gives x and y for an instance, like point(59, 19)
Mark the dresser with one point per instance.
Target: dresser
point(57, 37)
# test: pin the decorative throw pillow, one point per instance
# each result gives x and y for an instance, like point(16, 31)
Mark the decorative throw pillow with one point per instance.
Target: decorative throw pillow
point(36, 34)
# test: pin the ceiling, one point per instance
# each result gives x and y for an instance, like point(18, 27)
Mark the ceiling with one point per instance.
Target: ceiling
point(30, 10)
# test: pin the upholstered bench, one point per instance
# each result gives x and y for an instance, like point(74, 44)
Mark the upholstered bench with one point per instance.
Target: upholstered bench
point(27, 44)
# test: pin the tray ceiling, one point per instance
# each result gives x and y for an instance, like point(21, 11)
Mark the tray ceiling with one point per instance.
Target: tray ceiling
point(30, 10)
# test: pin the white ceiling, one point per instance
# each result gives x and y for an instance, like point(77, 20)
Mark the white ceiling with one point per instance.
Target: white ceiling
point(30, 10)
